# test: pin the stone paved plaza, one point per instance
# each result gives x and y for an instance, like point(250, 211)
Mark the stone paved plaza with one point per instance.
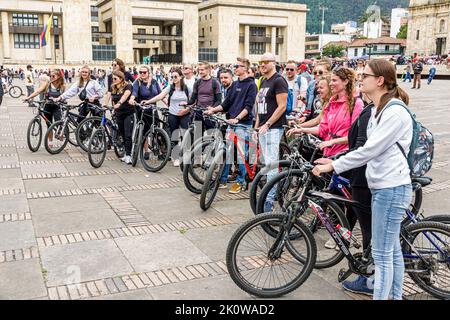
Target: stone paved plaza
point(69, 231)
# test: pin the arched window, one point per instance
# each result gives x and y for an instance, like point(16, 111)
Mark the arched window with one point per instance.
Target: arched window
point(442, 26)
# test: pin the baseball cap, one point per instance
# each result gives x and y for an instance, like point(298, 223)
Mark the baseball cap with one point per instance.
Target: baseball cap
point(303, 67)
point(268, 57)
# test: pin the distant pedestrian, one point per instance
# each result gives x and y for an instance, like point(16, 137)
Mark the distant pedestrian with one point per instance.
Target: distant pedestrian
point(418, 68)
point(432, 73)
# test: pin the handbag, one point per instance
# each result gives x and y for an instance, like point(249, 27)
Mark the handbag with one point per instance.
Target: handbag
point(83, 94)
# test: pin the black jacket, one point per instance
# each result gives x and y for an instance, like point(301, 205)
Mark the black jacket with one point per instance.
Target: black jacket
point(357, 137)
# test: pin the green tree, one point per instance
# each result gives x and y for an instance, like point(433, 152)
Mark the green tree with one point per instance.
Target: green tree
point(334, 51)
point(403, 33)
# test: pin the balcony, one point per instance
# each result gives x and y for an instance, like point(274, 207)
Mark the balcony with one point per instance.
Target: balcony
point(33, 29)
point(158, 36)
point(264, 39)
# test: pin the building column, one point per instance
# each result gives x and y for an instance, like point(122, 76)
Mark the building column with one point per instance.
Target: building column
point(174, 43)
point(190, 34)
point(5, 36)
point(247, 41)
point(274, 40)
point(48, 47)
point(122, 30)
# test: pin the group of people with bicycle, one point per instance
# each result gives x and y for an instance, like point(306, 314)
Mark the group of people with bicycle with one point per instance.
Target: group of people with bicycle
point(363, 122)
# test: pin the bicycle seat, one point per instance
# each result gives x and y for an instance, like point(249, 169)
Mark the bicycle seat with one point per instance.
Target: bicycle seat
point(423, 181)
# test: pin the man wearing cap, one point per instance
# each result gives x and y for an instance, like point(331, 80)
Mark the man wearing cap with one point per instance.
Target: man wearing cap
point(304, 72)
point(271, 116)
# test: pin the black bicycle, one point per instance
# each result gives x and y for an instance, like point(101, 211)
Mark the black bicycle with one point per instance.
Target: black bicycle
point(103, 138)
point(34, 131)
point(154, 146)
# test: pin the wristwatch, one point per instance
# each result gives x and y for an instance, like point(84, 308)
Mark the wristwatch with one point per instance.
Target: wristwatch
point(238, 119)
point(268, 124)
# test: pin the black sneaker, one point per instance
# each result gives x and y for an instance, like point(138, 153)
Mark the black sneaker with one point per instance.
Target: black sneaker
point(146, 155)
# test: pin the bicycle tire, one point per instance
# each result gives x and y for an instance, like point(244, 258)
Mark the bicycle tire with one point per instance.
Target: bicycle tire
point(159, 145)
point(15, 91)
point(185, 147)
point(97, 147)
point(119, 147)
point(418, 197)
point(328, 257)
point(258, 183)
point(34, 123)
point(136, 144)
point(56, 126)
point(211, 185)
point(206, 157)
point(189, 182)
point(442, 218)
point(84, 131)
point(73, 134)
point(420, 278)
point(236, 273)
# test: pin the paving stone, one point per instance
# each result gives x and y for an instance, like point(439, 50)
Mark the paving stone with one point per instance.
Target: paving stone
point(26, 284)
point(159, 251)
point(83, 261)
point(15, 235)
point(13, 203)
point(140, 294)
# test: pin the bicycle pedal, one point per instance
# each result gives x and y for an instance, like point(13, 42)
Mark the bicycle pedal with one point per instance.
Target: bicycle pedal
point(344, 274)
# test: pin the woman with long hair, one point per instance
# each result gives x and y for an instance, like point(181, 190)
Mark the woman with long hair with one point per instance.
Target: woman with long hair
point(389, 135)
point(177, 93)
point(117, 65)
point(120, 95)
point(87, 89)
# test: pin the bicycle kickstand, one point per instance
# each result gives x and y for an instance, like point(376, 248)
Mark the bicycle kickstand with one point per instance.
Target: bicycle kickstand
point(344, 274)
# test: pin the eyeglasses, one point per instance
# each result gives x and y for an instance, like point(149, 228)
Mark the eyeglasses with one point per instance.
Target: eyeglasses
point(143, 72)
point(265, 62)
point(175, 77)
point(187, 68)
point(114, 65)
point(318, 73)
point(289, 69)
point(366, 75)
point(54, 76)
point(116, 78)
point(236, 66)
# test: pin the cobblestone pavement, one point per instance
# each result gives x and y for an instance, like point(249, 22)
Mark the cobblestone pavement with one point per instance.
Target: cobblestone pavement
point(68, 231)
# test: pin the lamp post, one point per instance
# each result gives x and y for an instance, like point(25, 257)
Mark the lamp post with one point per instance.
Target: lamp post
point(323, 8)
point(369, 46)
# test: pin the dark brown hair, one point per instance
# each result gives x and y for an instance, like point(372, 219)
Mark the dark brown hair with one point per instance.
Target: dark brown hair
point(348, 74)
point(58, 83)
point(120, 63)
point(180, 73)
point(385, 69)
point(118, 88)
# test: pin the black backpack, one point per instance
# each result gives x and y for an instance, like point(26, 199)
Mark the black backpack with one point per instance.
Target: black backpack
point(172, 90)
point(214, 85)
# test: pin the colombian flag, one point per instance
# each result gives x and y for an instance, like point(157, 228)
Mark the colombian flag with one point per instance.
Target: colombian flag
point(45, 35)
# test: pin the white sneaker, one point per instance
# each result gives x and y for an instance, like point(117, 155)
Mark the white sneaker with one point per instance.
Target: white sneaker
point(176, 163)
point(123, 158)
point(128, 160)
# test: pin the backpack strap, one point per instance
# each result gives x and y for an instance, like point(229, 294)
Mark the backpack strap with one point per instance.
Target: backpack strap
point(171, 91)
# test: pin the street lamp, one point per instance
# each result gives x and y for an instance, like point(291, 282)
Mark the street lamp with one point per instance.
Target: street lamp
point(323, 8)
point(369, 46)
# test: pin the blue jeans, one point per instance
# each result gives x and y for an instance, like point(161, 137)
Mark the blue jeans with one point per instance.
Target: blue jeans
point(270, 148)
point(407, 77)
point(431, 75)
point(242, 134)
point(388, 208)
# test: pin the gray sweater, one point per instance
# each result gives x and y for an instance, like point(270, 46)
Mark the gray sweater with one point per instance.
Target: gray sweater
point(387, 167)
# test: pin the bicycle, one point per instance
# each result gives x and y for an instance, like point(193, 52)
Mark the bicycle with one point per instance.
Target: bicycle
point(153, 147)
point(85, 127)
point(12, 90)
point(299, 248)
point(102, 138)
point(63, 131)
point(34, 130)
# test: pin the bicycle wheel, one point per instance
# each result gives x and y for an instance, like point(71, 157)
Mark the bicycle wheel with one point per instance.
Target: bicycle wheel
point(73, 134)
point(186, 145)
point(201, 158)
point(119, 147)
point(159, 150)
point(416, 202)
point(442, 218)
point(15, 91)
point(84, 131)
point(427, 257)
point(56, 137)
point(255, 268)
point(97, 147)
point(284, 151)
point(136, 144)
point(34, 134)
point(212, 180)
point(260, 181)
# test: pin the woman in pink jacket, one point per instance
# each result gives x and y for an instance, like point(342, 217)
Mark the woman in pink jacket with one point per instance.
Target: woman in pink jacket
point(343, 109)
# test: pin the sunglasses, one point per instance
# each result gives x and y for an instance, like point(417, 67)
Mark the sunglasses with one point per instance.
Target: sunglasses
point(317, 73)
point(175, 77)
point(187, 68)
point(265, 62)
point(143, 72)
point(114, 65)
point(236, 66)
point(289, 69)
point(116, 78)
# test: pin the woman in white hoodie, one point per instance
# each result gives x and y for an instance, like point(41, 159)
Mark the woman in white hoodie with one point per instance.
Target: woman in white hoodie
point(389, 135)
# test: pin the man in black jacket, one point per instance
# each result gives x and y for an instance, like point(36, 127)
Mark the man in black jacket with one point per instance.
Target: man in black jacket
point(418, 68)
point(238, 105)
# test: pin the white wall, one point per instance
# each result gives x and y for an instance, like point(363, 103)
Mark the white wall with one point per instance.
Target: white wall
point(396, 18)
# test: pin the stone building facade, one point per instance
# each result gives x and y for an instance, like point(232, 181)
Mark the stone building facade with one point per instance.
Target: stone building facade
point(428, 27)
point(96, 31)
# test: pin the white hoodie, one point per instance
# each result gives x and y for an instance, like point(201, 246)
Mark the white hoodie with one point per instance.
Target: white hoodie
point(387, 167)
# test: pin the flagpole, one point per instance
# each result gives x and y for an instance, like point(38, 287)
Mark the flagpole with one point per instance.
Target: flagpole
point(61, 29)
point(54, 44)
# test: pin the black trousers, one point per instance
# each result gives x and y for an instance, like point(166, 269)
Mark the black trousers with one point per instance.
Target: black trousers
point(1, 99)
point(364, 216)
point(126, 123)
point(177, 126)
point(84, 110)
point(52, 112)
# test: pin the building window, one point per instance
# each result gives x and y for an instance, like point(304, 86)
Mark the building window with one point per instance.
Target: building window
point(203, 32)
point(258, 31)
point(94, 14)
point(364, 52)
point(206, 17)
point(141, 31)
point(442, 26)
point(210, 29)
point(153, 30)
point(56, 21)
point(56, 42)
point(25, 19)
point(375, 48)
point(386, 48)
point(356, 53)
point(103, 52)
point(210, 16)
point(95, 38)
point(207, 54)
point(26, 41)
point(257, 47)
point(418, 35)
point(210, 43)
